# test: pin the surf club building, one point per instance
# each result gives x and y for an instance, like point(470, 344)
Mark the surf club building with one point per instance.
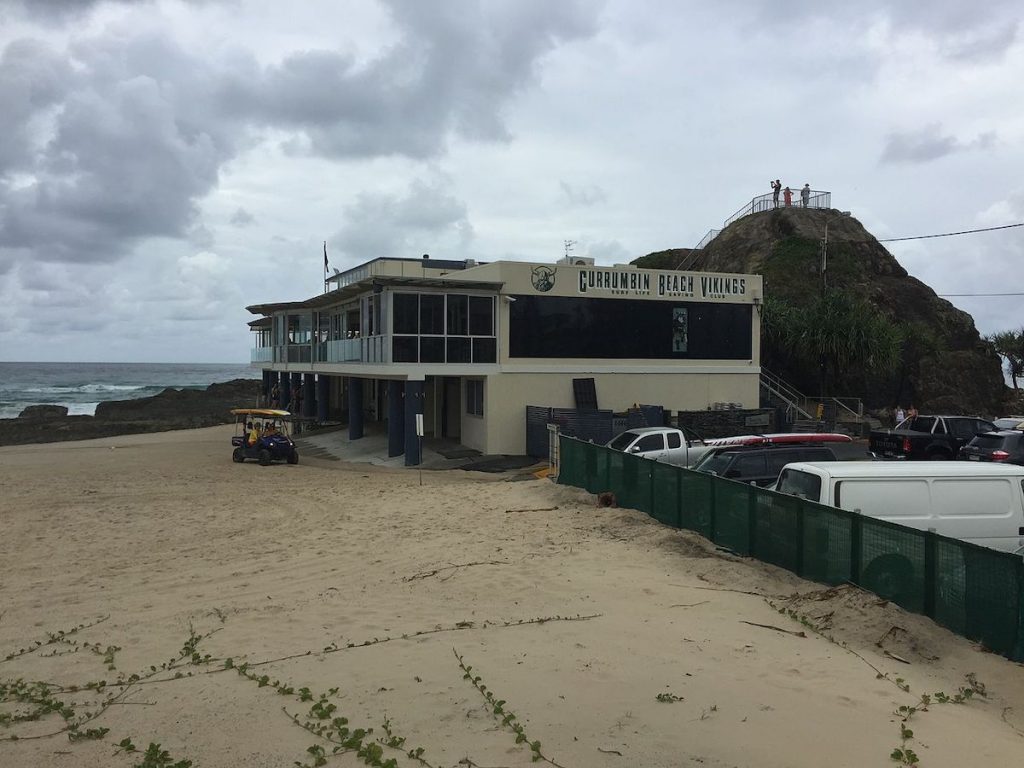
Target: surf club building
point(469, 345)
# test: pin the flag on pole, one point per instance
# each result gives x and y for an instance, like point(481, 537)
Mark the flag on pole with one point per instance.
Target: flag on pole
point(325, 256)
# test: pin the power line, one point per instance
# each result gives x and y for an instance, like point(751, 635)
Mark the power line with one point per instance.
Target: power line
point(950, 234)
point(950, 295)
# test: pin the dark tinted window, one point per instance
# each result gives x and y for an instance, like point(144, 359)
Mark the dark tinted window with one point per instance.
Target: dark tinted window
point(921, 424)
point(715, 462)
point(569, 327)
point(403, 349)
point(749, 465)
point(485, 350)
point(815, 454)
point(965, 429)
point(458, 315)
point(431, 349)
point(651, 443)
point(481, 316)
point(458, 350)
point(406, 312)
point(674, 441)
point(621, 441)
point(778, 459)
point(432, 313)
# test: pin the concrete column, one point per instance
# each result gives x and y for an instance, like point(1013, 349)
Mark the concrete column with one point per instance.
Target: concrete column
point(323, 396)
point(413, 405)
point(396, 419)
point(355, 407)
point(310, 394)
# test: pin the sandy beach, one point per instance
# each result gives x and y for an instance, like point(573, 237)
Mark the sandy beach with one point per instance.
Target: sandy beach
point(613, 640)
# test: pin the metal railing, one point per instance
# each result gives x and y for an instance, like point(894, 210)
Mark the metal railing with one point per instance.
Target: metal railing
point(769, 202)
point(848, 408)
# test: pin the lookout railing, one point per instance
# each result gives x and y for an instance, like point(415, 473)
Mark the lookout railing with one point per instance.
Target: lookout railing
point(816, 199)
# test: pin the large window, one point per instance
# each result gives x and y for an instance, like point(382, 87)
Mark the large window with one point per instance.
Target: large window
point(475, 397)
point(567, 327)
point(443, 328)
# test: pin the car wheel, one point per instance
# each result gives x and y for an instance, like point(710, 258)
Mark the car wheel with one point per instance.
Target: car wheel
point(891, 577)
point(938, 456)
point(264, 457)
point(293, 457)
point(238, 455)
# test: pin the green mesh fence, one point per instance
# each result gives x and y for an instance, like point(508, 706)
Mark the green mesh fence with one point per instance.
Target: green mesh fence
point(974, 591)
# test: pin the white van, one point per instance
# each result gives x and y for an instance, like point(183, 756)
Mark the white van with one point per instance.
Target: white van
point(979, 503)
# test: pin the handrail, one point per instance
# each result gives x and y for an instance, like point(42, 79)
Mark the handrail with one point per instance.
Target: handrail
point(817, 199)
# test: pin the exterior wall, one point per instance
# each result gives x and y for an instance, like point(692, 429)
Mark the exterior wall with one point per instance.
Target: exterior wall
point(475, 428)
point(506, 397)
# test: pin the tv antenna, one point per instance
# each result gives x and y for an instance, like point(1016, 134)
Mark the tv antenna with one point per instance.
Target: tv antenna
point(569, 245)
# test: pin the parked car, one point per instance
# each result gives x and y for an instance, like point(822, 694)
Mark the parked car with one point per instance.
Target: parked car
point(1006, 446)
point(761, 464)
point(927, 438)
point(1010, 422)
point(659, 443)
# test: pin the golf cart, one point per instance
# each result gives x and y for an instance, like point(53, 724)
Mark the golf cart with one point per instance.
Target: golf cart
point(272, 443)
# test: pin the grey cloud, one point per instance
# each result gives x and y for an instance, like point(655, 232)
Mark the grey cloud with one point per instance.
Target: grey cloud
point(981, 45)
point(584, 195)
point(242, 218)
point(930, 143)
point(452, 71)
point(426, 219)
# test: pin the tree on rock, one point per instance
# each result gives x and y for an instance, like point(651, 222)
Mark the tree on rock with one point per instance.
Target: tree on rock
point(1009, 345)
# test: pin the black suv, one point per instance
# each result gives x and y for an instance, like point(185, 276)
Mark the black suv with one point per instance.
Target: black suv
point(1006, 446)
point(759, 464)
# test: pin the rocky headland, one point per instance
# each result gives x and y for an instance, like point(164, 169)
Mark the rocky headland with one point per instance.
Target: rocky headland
point(169, 410)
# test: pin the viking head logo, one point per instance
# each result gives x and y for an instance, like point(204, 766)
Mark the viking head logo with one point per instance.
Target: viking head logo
point(543, 278)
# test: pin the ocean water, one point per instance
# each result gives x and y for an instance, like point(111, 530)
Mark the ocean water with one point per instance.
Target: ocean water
point(82, 386)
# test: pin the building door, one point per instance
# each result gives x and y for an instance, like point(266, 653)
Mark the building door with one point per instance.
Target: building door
point(451, 408)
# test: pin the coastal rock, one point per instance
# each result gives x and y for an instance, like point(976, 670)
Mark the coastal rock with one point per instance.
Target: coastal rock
point(171, 409)
point(44, 412)
point(946, 365)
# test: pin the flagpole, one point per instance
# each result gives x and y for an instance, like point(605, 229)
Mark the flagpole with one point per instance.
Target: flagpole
point(325, 266)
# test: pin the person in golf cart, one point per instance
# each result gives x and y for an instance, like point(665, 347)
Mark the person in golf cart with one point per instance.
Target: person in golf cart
point(266, 442)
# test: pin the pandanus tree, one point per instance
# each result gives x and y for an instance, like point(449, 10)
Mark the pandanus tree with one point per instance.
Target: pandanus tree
point(1009, 345)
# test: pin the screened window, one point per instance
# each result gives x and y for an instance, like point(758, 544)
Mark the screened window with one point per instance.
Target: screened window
point(475, 397)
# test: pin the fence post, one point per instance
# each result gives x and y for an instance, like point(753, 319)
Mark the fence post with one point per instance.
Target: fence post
point(607, 469)
point(650, 495)
point(712, 516)
point(856, 534)
point(929, 574)
point(752, 499)
point(800, 548)
point(679, 497)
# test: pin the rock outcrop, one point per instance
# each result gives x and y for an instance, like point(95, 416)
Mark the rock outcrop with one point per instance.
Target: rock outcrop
point(946, 366)
point(171, 409)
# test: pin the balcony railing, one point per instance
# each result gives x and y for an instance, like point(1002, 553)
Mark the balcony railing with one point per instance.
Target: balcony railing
point(368, 349)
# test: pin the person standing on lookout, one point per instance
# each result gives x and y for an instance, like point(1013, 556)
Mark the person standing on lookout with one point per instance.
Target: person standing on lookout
point(776, 188)
point(805, 195)
point(787, 195)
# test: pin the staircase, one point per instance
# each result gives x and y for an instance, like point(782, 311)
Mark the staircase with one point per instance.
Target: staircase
point(837, 413)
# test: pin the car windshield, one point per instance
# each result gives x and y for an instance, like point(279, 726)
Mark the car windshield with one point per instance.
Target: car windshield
point(989, 442)
point(798, 483)
point(715, 462)
point(619, 443)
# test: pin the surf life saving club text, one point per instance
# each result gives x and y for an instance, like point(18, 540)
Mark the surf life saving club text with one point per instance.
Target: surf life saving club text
point(627, 282)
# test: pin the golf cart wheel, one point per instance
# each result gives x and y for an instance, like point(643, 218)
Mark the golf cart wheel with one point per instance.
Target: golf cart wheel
point(293, 457)
point(264, 457)
point(891, 577)
point(238, 455)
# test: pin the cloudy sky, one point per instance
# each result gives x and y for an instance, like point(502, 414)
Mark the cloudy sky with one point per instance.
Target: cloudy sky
point(164, 163)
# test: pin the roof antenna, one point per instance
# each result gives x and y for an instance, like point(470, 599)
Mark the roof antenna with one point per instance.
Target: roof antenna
point(569, 245)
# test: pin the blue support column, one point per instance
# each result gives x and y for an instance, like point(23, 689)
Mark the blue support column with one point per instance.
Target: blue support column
point(355, 407)
point(286, 390)
point(323, 396)
point(310, 393)
point(396, 419)
point(413, 405)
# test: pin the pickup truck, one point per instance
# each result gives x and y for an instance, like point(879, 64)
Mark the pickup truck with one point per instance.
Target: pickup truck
point(928, 438)
point(672, 446)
